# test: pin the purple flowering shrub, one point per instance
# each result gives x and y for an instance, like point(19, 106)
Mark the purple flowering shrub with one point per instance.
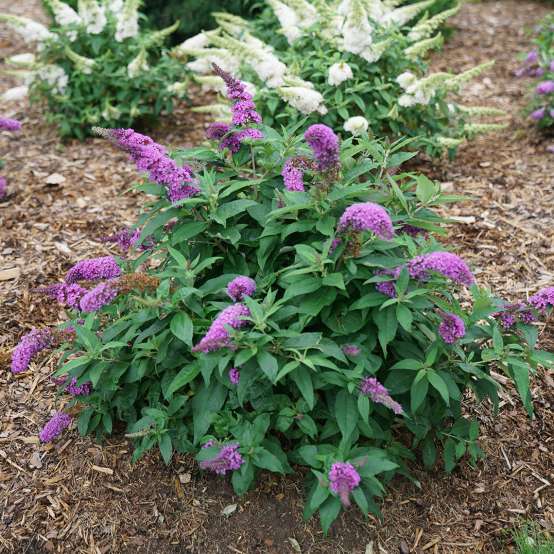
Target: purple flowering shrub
point(267, 340)
point(538, 65)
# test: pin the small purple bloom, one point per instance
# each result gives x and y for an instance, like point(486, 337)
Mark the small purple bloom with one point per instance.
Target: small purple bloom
point(217, 335)
point(388, 287)
point(233, 140)
point(447, 264)
point(451, 328)
point(532, 57)
point(98, 297)
point(537, 115)
point(543, 299)
point(93, 269)
point(293, 174)
point(234, 375)
point(7, 124)
point(412, 230)
point(3, 187)
point(379, 394)
point(351, 350)
point(217, 130)
point(367, 216)
point(30, 344)
point(227, 459)
point(546, 87)
point(55, 427)
point(324, 144)
point(336, 242)
point(127, 238)
point(65, 294)
point(539, 72)
point(343, 479)
point(78, 390)
point(240, 287)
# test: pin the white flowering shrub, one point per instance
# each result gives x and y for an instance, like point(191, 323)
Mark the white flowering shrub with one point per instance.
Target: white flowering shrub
point(94, 66)
point(334, 61)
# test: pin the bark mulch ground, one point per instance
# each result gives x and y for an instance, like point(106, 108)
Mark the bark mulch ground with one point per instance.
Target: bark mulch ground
point(84, 497)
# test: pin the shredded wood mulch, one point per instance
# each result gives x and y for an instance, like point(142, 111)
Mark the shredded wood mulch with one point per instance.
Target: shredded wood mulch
point(78, 496)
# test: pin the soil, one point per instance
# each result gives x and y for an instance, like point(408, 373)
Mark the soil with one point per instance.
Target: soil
point(79, 496)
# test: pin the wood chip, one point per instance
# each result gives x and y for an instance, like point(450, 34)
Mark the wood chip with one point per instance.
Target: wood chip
point(9, 274)
point(105, 470)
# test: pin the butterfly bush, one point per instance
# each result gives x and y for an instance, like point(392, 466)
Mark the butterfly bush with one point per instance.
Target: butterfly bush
point(95, 66)
point(538, 65)
point(254, 332)
point(366, 71)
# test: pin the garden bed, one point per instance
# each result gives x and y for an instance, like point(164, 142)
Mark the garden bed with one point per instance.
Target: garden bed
point(80, 496)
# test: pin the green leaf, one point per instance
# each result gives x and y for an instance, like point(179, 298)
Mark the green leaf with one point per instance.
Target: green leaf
point(181, 327)
point(361, 500)
point(346, 413)
point(419, 389)
point(438, 384)
point(242, 478)
point(334, 280)
point(425, 189)
point(328, 512)
point(166, 448)
point(301, 376)
point(266, 460)
point(449, 455)
point(185, 376)
point(429, 452)
point(387, 325)
point(268, 364)
point(404, 316)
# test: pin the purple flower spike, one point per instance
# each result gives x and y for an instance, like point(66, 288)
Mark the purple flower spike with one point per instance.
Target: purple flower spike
point(388, 287)
point(537, 115)
point(546, 87)
point(66, 295)
point(98, 297)
point(227, 459)
point(93, 269)
point(293, 174)
point(126, 239)
point(244, 112)
point(30, 345)
point(218, 336)
point(343, 479)
point(367, 216)
point(153, 159)
point(7, 124)
point(452, 328)
point(55, 427)
point(379, 394)
point(447, 264)
point(235, 89)
point(240, 287)
point(234, 375)
point(543, 299)
point(324, 144)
